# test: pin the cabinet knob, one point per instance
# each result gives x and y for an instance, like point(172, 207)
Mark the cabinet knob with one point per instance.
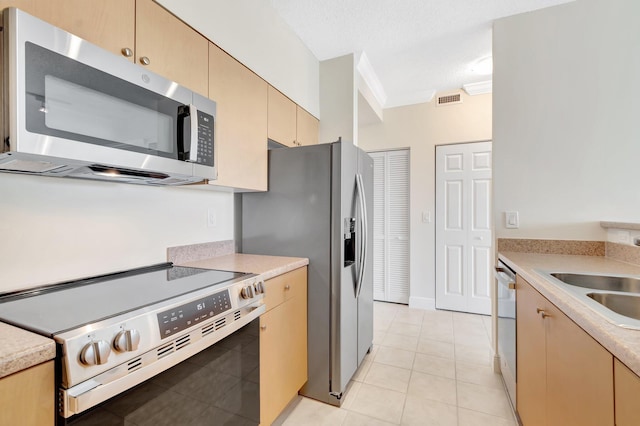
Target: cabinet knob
point(263, 327)
point(145, 60)
point(287, 287)
point(127, 52)
point(542, 313)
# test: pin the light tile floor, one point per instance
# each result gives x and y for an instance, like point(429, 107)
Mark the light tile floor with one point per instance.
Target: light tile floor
point(426, 368)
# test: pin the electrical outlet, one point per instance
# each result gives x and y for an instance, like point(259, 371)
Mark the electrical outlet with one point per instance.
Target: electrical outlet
point(212, 218)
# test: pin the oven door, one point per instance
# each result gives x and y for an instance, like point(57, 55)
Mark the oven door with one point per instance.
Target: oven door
point(76, 101)
point(219, 385)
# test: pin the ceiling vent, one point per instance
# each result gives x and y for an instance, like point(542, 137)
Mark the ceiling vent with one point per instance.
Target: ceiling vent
point(450, 99)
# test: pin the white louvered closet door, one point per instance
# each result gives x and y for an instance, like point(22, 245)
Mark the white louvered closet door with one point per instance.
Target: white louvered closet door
point(391, 226)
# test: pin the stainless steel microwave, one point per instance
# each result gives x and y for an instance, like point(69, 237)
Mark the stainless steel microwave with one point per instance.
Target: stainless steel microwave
point(73, 109)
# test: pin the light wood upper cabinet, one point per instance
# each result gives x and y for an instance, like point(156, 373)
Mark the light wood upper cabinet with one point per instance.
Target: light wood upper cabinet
point(172, 48)
point(107, 23)
point(564, 376)
point(282, 118)
point(283, 343)
point(241, 122)
point(289, 124)
point(28, 397)
point(307, 127)
point(627, 391)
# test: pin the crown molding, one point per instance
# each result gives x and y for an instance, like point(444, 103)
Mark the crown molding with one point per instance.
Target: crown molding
point(371, 79)
point(478, 88)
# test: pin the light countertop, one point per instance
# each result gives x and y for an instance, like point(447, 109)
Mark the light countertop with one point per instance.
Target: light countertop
point(265, 266)
point(21, 349)
point(623, 343)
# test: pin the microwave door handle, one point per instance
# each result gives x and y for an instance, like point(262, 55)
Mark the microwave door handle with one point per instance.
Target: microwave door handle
point(193, 149)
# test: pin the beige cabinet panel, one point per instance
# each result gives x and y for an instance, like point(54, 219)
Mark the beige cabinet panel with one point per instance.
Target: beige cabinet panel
point(28, 397)
point(106, 23)
point(283, 344)
point(564, 376)
point(627, 395)
point(281, 118)
point(307, 127)
point(173, 49)
point(579, 375)
point(530, 355)
point(241, 122)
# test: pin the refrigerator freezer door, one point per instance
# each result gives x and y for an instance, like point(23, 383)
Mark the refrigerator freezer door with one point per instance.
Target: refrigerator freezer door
point(294, 219)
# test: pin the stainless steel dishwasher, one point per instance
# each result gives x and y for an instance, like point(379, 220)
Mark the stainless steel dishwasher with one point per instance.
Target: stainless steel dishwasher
point(506, 292)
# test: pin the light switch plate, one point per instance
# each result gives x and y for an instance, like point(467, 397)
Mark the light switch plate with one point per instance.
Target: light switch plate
point(512, 220)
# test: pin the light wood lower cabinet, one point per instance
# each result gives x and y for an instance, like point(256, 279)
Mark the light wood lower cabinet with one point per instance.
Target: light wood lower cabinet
point(564, 376)
point(627, 390)
point(28, 397)
point(283, 343)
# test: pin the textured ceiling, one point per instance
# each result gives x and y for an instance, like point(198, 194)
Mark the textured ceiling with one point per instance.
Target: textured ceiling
point(415, 47)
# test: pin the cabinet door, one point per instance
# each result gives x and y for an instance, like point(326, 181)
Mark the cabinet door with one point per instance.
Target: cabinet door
point(306, 127)
point(107, 23)
point(579, 375)
point(281, 118)
point(173, 49)
point(283, 351)
point(241, 133)
point(530, 358)
point(27, 397)
point(627, 394)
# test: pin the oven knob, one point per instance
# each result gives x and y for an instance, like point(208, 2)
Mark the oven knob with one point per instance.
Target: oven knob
point(126, 340)
point(247, 292)
point(95, 353)
point(259, 287)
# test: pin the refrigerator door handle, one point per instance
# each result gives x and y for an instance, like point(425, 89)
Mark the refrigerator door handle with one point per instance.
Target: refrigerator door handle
point(363, 232)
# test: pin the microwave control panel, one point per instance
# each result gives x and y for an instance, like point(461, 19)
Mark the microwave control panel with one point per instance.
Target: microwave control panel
point(205, 139)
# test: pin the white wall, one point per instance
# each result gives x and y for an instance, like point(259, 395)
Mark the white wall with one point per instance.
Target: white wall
point(252, 32)
point(338, 100)
point(566, 90)
point(59, 229)
point(54, 229)
point(421, 127)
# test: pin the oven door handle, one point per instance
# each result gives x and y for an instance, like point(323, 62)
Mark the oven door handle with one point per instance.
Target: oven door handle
point(92, 392)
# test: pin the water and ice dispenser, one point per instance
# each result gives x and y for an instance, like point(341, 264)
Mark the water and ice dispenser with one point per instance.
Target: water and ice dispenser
point(349, 241)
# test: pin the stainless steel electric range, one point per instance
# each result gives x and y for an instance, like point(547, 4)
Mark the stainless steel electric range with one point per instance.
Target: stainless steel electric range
point(158, 345)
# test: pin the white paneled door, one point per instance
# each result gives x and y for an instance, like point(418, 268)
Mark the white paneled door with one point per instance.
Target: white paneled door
point(464, 253)
point(391, 226)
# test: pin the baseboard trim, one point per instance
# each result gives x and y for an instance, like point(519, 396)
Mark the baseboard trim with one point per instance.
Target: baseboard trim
point(422, 303)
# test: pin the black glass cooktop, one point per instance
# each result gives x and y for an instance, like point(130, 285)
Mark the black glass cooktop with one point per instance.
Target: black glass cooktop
point(70, 305)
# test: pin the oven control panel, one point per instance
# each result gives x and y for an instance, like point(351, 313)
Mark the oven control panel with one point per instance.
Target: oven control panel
point(180, 318)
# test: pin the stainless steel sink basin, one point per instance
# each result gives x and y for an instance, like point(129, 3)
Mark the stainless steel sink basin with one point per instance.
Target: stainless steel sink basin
point(600, 282)
point(615, 297)
point(624, 304)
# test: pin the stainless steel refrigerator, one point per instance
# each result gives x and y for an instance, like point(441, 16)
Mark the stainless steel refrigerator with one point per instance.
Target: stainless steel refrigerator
point(319, 205)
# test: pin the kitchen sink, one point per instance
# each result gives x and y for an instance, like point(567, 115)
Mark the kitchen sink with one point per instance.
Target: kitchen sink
point(624, 304)
point(615, 297)
point(600, 282)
